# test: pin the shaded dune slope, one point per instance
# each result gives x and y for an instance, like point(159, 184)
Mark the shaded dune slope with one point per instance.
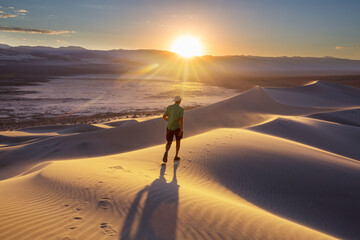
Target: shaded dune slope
point(348, 117)
point(74, 128)
point(319, 94)
point(33, 134)
point(10, 140)
point(336, 138)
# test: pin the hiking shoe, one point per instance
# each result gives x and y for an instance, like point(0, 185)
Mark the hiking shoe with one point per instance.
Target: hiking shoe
point(165, 157)
point(176, 159)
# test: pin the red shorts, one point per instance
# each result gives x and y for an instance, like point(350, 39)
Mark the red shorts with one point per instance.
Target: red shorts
point(170, 134)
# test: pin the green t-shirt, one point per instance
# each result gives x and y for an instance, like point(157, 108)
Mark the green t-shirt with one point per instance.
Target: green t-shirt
point(174, 112)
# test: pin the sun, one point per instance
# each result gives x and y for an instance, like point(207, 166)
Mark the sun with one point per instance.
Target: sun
point(187, 46)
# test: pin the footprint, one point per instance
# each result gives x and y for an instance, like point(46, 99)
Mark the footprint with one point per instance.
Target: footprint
point(72, 224)
point(104, 203)
point(67, 238)
point(108, 230)
point(117, 167)
point(98, 185)
point(80, 206)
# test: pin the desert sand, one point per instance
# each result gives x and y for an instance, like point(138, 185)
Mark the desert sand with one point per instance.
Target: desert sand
point(269, 163)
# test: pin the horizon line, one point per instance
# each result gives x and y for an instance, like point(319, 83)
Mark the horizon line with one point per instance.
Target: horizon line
point(162, 50)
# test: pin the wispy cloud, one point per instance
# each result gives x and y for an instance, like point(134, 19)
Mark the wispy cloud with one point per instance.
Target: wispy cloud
point(61, 41)
point(11, 12)
point(346, 47)
point(21, 11)
point(7, 15)
point(33, 31)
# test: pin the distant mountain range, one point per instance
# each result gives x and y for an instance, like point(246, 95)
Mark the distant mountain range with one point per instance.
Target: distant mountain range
point(48, 61)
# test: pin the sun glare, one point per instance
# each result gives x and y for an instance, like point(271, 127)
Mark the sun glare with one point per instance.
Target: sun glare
point(187, 46)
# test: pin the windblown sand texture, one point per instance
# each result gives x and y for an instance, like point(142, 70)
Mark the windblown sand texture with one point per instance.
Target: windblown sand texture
point(266, 164)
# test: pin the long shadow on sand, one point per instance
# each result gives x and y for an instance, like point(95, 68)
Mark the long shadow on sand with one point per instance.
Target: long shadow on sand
point(159, 217)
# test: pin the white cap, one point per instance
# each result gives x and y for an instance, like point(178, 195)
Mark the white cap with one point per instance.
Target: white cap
point(177, 98)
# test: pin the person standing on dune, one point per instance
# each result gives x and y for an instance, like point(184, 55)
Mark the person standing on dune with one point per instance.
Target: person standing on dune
point(174, 115)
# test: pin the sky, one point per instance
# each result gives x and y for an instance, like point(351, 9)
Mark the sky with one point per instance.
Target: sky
point(314, 28)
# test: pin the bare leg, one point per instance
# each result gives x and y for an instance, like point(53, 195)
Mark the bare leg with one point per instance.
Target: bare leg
point(177, 147)
point(168, 145)
point(167, 148)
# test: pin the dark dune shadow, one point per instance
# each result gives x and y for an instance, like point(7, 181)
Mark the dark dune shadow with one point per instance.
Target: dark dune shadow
point(159, 216)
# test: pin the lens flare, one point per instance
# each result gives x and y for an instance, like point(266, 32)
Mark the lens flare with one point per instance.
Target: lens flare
point(187, 46)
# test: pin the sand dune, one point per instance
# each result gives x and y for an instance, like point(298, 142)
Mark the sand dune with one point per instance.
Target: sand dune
point(121, 123)
point(74, 128)
point(348, 117)
point(253, 167)
point(9, 140)
point(250, 108)
point(340, 139)
point(319, 94)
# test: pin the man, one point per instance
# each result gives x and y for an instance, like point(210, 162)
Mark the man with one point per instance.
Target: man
point(174, 115)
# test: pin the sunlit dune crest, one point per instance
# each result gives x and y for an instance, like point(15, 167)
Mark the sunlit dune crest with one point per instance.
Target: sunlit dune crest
point(187, 46)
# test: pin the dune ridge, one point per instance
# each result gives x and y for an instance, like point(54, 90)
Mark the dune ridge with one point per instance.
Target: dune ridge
point(253, 167)
point(348, 117)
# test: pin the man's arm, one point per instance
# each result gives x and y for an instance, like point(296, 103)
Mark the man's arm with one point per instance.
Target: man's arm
point(166, 114)
point(181, 123)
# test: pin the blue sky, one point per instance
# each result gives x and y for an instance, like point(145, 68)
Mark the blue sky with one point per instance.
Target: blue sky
point(243, 27)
